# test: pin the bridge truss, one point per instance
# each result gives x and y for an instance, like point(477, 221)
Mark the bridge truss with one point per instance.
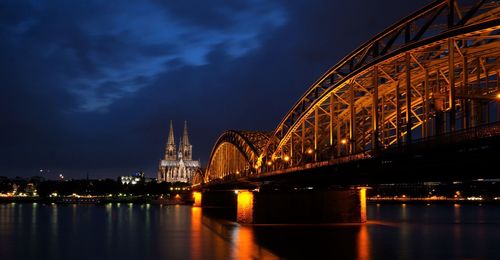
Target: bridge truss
point(433, 73)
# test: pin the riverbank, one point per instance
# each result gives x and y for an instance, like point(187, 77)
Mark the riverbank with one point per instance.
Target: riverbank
point(97, 200)
point(438, 200)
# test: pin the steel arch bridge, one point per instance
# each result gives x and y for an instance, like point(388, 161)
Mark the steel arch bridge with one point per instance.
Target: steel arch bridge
point(235, 154)
point(435, 73)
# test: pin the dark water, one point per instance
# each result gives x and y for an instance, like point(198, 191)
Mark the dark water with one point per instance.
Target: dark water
point(126, 231)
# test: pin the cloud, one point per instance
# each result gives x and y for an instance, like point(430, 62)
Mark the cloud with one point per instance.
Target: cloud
point(91, 85)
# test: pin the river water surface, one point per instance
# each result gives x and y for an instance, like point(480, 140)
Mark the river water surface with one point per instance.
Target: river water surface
point(128, 231)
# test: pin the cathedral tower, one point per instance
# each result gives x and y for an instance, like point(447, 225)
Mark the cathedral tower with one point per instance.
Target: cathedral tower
point(187, 148)
point(178, 165)
point(170, 150)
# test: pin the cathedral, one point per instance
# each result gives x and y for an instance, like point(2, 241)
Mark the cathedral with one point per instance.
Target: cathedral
point(178, 166)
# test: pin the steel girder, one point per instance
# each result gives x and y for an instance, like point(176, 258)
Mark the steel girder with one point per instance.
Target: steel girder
point(432, 73)
point(235, 153)
point(361, 104)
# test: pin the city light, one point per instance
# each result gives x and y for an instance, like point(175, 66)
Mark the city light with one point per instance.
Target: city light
point(310, 151)
point(498, 96)
point(286, 158)
point(343, 141)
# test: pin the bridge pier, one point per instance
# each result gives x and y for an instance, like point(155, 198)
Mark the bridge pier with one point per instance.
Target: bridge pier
point(302, 206)
point(197, 199)
point(289, 206)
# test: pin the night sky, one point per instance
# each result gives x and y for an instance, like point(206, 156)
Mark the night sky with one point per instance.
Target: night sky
point(90, 86)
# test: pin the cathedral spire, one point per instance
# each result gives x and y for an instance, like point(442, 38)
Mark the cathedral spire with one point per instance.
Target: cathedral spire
point(185, 137)
point(170, 150)
point(171, 140)
point(187, 148)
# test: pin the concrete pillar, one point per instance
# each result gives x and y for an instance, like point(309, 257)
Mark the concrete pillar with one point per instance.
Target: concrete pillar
point(289, 206)
point(302, 206)
point(197, 196)
point(362, 205)
point(244, 208)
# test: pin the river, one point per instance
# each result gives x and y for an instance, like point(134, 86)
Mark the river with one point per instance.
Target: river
point(135, 231)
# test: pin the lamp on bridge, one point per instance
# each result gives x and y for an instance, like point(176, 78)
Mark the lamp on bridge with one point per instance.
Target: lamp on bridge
point(343, 141)
point(286, 158)
point(310, 151)
point(498, 96)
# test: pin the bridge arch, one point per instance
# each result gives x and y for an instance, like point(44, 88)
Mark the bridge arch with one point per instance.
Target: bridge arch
point(432, 73)
point(198, 177)
point(236, 153)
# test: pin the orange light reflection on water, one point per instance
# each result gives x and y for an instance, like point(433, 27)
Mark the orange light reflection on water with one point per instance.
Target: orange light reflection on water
point(196, 234)
point(363, 243)
point(245, 246)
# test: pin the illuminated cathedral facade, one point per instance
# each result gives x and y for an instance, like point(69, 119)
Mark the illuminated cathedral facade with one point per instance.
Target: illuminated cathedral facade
point(178, 165)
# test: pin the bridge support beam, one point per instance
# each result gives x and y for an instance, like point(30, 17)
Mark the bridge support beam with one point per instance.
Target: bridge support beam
point(244, 208)
point(301, 206)
point(197, 196)
point(408, 101)
point(375, 126)
point(451, 79)
point(352, 119)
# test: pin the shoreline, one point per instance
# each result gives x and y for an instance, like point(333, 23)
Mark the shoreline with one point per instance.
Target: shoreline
point(94, 200)
point(446, 201)
point(148, 200)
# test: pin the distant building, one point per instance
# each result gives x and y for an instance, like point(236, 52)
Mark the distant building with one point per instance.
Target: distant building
point(178, 166)
point(132, 179)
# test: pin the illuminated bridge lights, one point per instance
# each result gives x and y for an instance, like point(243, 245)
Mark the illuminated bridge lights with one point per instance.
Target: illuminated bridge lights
point(434, 73)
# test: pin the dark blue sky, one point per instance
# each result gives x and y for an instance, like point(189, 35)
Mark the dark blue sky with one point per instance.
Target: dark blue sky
point(90, 86)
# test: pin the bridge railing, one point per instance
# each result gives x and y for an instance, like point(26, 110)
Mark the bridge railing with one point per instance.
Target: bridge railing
point(465, 135)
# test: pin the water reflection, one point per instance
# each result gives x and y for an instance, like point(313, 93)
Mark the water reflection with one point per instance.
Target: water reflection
point(181, 232)
point(363, 243)
point(245, 246)
point(196, 243)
